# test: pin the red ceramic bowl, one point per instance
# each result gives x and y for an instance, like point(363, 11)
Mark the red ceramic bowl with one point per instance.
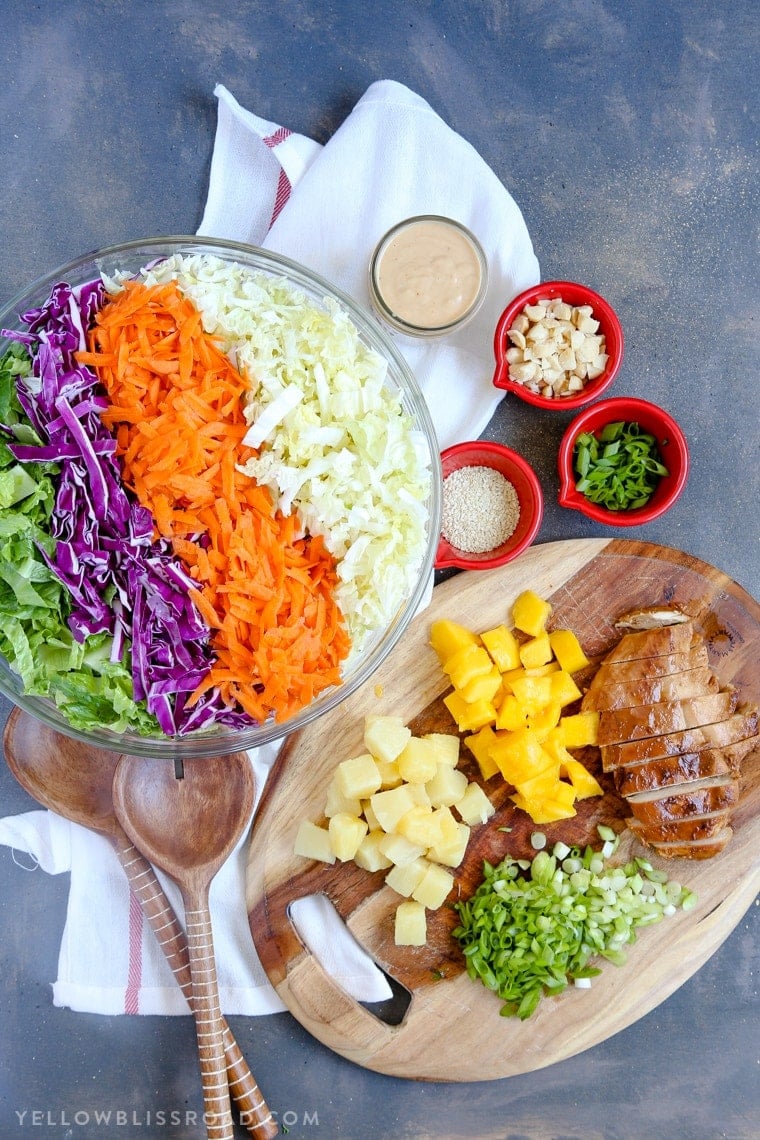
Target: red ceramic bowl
point(520, 474)
point(670, 441)
point(573, 294)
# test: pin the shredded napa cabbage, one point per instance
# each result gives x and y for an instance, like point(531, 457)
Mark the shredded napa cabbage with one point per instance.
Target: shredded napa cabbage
point(336, 444)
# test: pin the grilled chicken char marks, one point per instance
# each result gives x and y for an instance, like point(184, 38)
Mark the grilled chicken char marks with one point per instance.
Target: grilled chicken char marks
point(672, 737)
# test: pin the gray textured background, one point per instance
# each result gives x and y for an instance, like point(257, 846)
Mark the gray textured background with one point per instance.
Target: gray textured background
point(627, 133)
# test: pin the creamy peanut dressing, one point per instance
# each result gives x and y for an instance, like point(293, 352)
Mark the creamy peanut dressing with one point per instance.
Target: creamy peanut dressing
point(429, 274)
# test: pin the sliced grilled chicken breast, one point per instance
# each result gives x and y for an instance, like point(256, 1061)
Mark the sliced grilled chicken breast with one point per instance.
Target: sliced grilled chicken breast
point(740, 726)
point(644, 668)
point(697, 827)
point(619, 725)
point(694, 848)
point(701, 797)
point(652, 690)
point(652, 642)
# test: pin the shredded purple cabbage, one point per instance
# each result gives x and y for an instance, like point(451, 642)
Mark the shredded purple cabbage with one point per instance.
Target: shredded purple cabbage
point(120, 581)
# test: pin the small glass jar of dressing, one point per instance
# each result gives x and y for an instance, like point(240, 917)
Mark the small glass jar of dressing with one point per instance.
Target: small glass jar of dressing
point(428, 276)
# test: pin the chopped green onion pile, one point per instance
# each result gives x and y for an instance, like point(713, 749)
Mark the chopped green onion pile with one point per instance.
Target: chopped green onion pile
point(532, 927)
point(619, 468)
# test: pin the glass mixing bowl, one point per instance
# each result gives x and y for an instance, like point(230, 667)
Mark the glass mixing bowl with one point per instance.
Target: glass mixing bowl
point(130, 258)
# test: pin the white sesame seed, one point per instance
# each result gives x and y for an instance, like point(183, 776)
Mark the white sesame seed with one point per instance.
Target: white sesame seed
point(480, 509)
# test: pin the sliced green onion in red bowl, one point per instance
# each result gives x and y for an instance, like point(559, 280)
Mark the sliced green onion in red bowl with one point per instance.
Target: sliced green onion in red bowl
point(622, 462)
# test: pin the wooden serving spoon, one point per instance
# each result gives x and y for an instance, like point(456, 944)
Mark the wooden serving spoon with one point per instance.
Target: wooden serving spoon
point(188, 827)
point(75, 780)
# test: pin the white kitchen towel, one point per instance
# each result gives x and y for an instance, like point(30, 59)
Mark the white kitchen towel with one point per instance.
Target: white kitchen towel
point(110, 961)
point(392, 158)
point(325, 207)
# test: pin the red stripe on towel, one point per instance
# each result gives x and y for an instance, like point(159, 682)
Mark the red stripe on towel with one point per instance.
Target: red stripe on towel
point(283, 183)
point(134, 972)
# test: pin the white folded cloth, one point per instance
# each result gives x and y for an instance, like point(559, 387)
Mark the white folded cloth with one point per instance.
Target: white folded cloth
point(325, 207)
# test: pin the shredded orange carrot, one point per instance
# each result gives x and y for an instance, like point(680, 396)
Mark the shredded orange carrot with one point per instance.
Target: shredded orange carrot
point(267, 595)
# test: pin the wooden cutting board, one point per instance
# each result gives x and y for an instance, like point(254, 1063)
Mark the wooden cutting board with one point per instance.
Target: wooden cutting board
point(452, 1030)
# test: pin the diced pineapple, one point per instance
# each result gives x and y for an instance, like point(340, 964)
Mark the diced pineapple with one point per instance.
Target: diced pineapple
point(567, 650)
point(584, 783)
point(389, 773)
point(511, 715)
point(400, 850)
point(503, 647)
point(446, 786)
point(346, 833)
point(313, 842)
point(469, 717)
point(467, 663)
point(474, 806)
point(480, 744)
point(482, 688)
point(564, 688)
point(530, 613)
point(410, 924)
point(391, 805)
point(336, 801)
point(419, 825)
point(446, 637)
point(385, 736)
point(417, 762)
point(433, 887)
point(448, 828)
point(453, 854)
point(404, 880)
point(373, 822)
point(368, 854)
point(536, 652)
point(358, 777)
point(580, 729)
point(446, 747)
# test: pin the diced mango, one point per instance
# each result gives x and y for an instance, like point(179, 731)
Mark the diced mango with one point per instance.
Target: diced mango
point(446, 786)
point(545, 719)
point(433, 887)
point(467, 663)
point(510, 714)
point(533, 693)
point(399, 850)
point(580, 729)
point(358, 778)
point(417, 762)
point(446, 747)
point(519, 755)
point(313, 842)
point(474, 806)
point(410, 924)
point(564, 688)
point(479, 744)
point(503, 647)
point(542, 786)
point(346, 833)
point(385, 736)
point(469, 717)
point(567, 649)
point(369, 855)
point(530, 613)
point(446, 637)
point(536, 652)
point(482, 688)
point(543, 811)
point(403, 880)
point(584, 783)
